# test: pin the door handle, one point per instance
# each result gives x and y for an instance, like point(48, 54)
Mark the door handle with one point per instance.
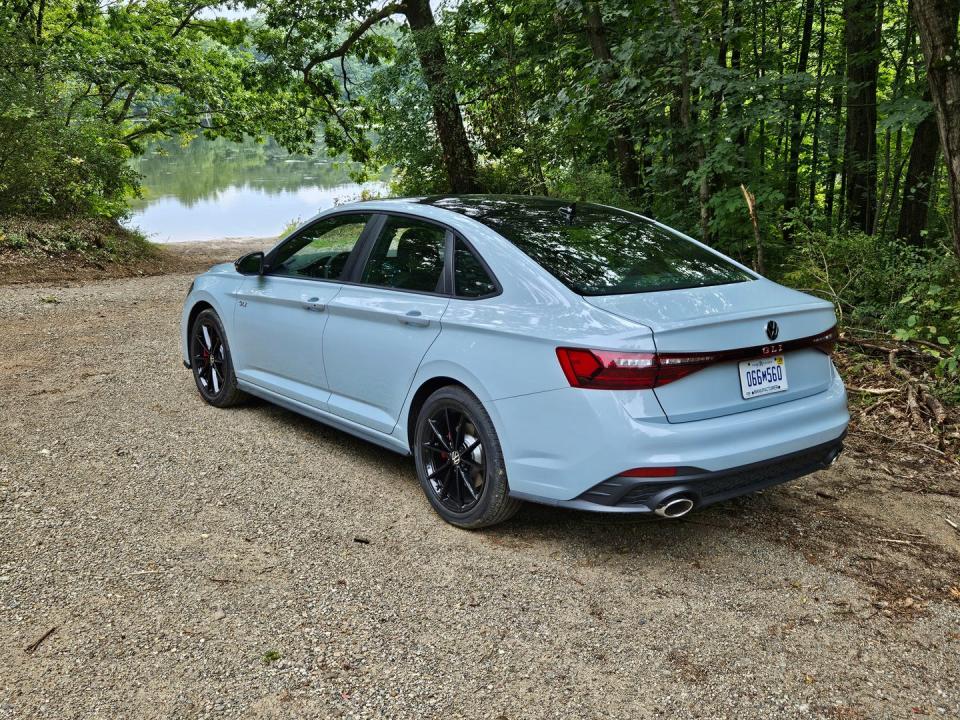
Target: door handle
point(314, 305)
point(414, 318)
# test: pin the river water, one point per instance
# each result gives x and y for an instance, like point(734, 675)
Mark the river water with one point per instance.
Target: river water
point(215, 189)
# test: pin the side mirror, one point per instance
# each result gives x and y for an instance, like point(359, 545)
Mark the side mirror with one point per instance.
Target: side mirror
point(250, 264)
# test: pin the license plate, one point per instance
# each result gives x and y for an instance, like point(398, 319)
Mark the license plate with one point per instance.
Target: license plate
point(763, 377)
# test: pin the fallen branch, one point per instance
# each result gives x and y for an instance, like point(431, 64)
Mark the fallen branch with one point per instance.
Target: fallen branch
point(873, 391)
point(864, 343)
point(933, 405)
point(916, 418)
point(36, 643)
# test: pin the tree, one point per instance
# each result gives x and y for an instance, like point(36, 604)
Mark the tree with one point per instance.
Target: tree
point(307, 35)
point(84, 87)
point(622, 137)
point(916, 186)
point(940, 40)
point(796, 133)
point(862, 36)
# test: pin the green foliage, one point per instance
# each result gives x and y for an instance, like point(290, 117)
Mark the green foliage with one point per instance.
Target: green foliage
point(934, 318)
point(84, 86)
point(886, 285)
point(270, 657)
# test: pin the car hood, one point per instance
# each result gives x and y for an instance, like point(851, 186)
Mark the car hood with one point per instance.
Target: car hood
point(221, 268)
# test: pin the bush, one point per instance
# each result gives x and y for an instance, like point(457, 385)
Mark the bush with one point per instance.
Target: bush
point(886, 285)
point(93, 239)
point(51, 170)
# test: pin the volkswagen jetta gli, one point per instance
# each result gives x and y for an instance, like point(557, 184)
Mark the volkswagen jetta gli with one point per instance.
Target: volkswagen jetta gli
point(527, 348)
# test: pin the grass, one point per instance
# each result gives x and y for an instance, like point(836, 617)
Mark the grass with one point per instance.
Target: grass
point(270, 657)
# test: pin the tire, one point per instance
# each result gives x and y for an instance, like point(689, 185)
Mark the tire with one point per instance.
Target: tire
point(459, 461)
point(211, 361)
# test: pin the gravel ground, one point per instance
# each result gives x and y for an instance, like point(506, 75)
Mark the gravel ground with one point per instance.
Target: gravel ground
point(193, 562)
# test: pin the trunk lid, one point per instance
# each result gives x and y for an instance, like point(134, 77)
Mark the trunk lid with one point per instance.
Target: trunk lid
point(723, 318)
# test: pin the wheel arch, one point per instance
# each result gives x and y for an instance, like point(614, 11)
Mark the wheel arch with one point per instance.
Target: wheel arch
point(198, 307)
point(197, 302)
point(426, 389)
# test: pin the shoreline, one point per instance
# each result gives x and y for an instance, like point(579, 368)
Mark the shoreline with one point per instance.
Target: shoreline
point(169, 259)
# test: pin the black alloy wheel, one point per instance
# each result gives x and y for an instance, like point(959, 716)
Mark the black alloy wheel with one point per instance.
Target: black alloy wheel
point(453, 458)
point(459, 461)
point(211, 362)
point(208, 358)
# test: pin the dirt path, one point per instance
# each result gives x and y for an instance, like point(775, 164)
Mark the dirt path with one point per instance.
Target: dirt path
point(202, 563)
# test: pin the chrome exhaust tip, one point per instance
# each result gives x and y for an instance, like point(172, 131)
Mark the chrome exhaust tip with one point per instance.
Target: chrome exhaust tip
point(832, 458)
point(678, 507)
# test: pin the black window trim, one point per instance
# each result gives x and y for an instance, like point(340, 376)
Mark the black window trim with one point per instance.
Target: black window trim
point(360, 254)
point(448, 288)
point(348, 270)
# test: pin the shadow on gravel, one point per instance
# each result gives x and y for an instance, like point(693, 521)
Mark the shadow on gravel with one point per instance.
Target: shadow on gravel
point(832, 534)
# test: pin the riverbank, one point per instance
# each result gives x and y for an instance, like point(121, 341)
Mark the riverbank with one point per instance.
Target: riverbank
point(78, 251)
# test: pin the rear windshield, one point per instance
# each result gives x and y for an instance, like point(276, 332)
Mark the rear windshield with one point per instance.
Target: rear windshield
point(601, 251)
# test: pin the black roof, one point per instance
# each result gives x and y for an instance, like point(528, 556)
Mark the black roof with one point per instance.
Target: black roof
point(500, 207)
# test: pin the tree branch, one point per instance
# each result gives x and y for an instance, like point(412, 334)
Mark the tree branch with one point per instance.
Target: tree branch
point(382, 14)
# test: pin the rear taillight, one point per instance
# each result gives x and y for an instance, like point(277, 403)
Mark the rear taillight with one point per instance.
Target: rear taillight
point(613, 370)
point(825, 341)
point(608, 370)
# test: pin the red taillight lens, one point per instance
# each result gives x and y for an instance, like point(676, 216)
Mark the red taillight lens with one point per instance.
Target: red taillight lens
point(827, 341)
point(611, 370)
point(608, 370)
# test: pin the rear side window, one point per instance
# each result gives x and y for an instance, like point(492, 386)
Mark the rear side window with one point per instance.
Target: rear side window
point(470, 278)
point(408, 255)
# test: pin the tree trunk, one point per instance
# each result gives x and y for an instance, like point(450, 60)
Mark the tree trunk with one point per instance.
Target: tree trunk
point(817, 109)
point(916, 188)
point(937, 23)
point(862, 39)
point(627, 166)
point(833, 151)
point(687, 122)
point(736, 55)
point(895, 185)
point(893, 168)
point(458, 159)
point(796, 135)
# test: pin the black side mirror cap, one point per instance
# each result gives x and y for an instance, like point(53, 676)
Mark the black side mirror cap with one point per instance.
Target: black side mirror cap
point(251, 264)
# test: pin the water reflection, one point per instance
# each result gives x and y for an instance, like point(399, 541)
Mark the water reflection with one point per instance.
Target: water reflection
point(214, 189)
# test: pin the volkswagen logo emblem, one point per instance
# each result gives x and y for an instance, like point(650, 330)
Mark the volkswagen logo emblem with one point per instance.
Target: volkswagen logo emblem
point(773, 330)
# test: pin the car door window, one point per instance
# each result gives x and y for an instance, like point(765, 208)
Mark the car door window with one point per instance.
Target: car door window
point(320, 250)
point(470, 277)
point(408, 255)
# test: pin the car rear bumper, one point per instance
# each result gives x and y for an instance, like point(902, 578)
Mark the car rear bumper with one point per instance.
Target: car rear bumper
point(636, 495)
point(562, 446)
